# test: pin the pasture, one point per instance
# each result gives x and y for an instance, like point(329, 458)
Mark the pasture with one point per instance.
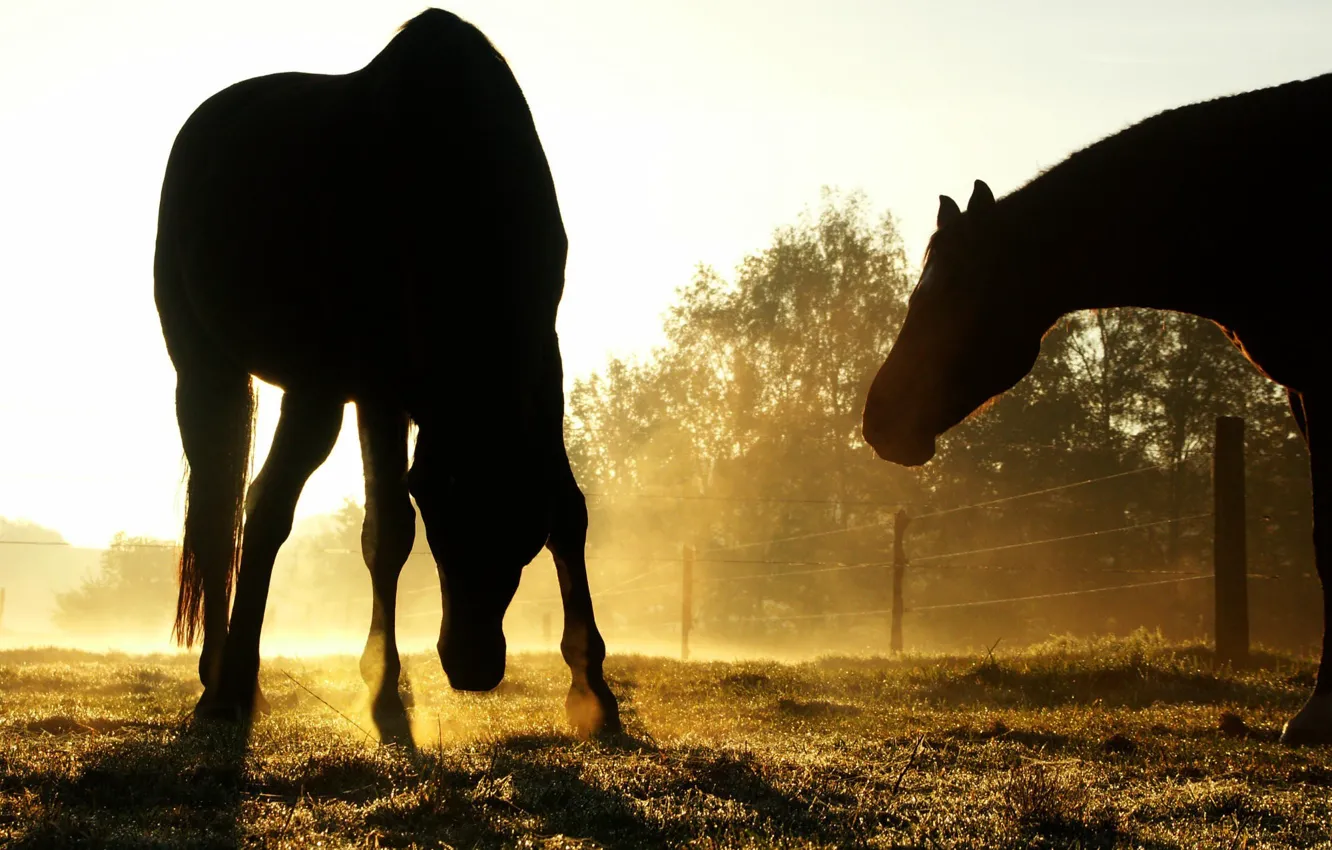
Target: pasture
point(1110, 743)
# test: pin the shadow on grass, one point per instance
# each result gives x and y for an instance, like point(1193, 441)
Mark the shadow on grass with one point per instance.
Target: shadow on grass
point(181, 785)
point(1085, 835)
point(697, 793)
point(816, 708)
point(539, 786)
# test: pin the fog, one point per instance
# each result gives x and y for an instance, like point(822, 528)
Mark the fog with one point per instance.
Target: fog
point(1088, 487)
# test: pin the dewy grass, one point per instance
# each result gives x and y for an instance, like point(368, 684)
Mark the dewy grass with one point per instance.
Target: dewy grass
point(1105, 743)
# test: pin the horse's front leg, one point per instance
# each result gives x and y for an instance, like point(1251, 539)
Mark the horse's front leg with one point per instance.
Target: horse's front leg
point(1313, 723)
point(591, 706)
point(386, 541)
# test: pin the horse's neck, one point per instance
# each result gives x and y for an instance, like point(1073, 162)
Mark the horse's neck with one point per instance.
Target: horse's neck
point(1061, 263)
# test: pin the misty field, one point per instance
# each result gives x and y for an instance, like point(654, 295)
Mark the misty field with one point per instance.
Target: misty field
point(1115, 743)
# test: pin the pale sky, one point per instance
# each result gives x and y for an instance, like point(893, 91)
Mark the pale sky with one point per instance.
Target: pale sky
point(678, 133)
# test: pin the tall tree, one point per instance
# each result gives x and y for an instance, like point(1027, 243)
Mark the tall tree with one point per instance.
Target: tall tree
point(745, 427)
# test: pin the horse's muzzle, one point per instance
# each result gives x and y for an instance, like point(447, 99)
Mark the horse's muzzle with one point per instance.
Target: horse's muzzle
point(474, 665)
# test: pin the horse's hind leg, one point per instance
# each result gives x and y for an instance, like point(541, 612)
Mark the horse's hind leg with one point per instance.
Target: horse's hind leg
point(386, 542)
point(1313, 723)
point(591, 706)
point(306, 432)
point(215, 410)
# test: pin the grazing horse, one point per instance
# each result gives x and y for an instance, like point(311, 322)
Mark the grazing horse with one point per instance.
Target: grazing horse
point(1215, 209)
point(389, 237)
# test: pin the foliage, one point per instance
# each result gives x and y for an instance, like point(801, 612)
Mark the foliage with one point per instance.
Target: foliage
point(134, 590)
point(321, 583)
point(745, 427)
point(20, 529)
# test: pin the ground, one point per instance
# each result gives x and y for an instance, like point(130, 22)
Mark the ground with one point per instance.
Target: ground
point(1114, 743)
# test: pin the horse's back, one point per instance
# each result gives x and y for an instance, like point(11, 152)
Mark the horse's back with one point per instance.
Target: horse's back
point(310, 219)
point(1282, 131)
point(265, 225)
point(1221, 201)
point(1261, 161)
point(262, 169)
point(1242, 147)
point(1225, 181)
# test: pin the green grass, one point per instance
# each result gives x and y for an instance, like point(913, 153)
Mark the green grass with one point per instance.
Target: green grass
point(1114, 743)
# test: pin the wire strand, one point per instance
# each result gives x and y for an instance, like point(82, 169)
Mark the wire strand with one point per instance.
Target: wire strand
point(977, 603)
point(980, 602)
point(1081, 536)
point(1047, 490)
point(987, 503)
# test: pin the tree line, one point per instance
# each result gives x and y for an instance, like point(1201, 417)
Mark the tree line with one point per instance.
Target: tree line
point(744, 427)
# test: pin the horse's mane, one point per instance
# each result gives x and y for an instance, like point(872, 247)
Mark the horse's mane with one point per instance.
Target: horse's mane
point(1143, 151)
point(929, 249)
point(1215, 128)
point(937, 238)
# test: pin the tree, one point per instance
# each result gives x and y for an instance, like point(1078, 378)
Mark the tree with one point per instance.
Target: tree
point(320, 579)
point(133, 591)
point(24, 531)
point(745, 427)
point(747, 424)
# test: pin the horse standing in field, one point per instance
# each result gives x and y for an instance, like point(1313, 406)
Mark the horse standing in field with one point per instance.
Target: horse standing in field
point(389, 237)
point(1159, 215)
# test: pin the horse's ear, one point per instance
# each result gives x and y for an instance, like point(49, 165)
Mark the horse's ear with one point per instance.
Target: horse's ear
point(948, 211)
point(981, 197)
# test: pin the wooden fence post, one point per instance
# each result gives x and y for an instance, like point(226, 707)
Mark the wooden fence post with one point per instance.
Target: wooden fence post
point(686, 600)
point(901, 521)
point(1229, 562)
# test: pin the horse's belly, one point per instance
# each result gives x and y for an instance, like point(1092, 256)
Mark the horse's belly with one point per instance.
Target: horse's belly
point(1286, 356)
point(293, 331)
point(347, 364)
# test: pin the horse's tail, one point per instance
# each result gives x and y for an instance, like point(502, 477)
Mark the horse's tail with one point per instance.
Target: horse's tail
point(216, 417)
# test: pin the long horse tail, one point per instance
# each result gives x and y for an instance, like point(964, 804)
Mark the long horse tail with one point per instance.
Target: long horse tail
point(216, 415)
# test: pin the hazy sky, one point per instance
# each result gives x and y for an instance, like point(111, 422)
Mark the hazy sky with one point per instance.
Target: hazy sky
point(678, 132)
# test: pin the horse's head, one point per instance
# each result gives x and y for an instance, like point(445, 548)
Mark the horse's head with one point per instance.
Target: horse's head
point(966, 338)
point(486, 494)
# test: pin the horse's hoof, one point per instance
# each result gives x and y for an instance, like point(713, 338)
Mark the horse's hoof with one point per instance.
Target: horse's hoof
point(1294, 736)
point(390, 719)
point(1305, 736)
point(218, 710)
point(227, 708)
point(1312, 726)
point(593, 712)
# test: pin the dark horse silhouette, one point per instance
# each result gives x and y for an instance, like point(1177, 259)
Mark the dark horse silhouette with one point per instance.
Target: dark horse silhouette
point(389, 237)
point(1195, 210)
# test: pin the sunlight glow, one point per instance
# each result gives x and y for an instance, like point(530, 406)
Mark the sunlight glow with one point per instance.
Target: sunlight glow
point(675, 136)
